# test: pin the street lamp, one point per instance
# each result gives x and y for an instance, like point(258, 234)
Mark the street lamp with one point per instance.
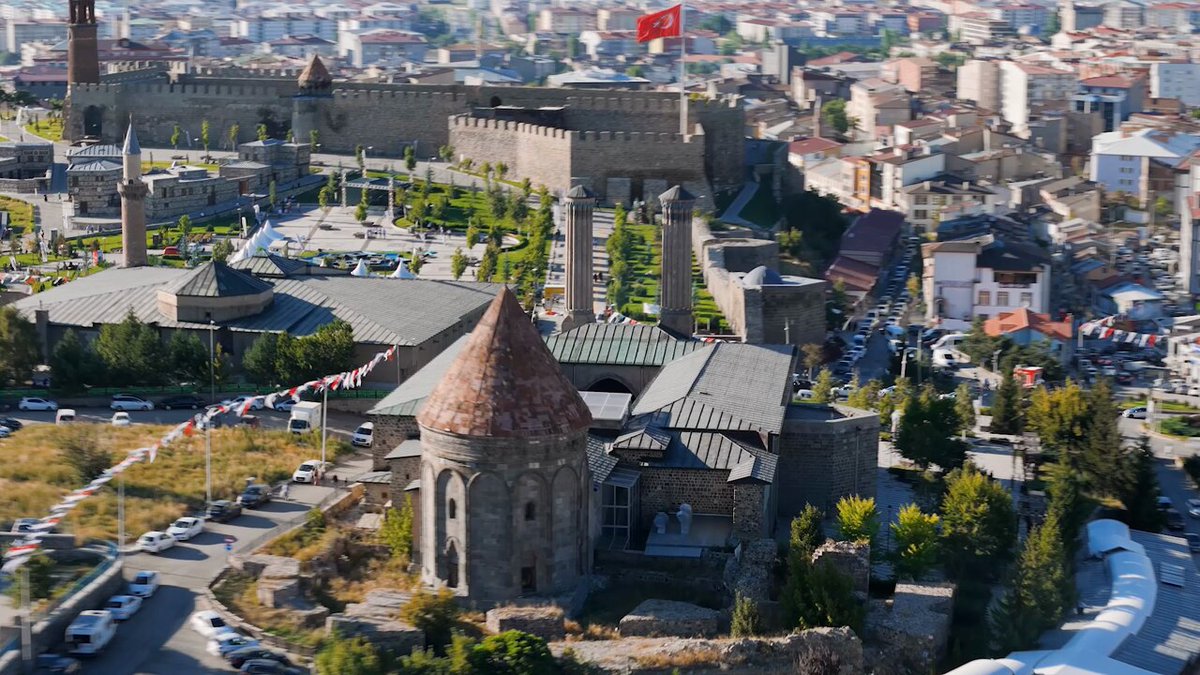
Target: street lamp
point(212, 393)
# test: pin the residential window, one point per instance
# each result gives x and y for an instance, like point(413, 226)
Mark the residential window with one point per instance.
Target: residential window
point(1002, 298)
point(922, 199)
point(985, 298)
point(920, 214)
point(1027, 299)
point(1126, 158)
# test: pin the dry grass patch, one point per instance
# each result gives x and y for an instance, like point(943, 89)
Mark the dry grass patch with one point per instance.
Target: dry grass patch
point(593, 631)
point(238, 592)
point(703, 657)
point(36, 473)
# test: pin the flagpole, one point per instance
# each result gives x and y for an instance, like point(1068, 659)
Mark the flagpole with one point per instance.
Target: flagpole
point(683, 108)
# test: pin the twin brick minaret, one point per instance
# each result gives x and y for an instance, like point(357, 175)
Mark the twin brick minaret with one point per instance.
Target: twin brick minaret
point(133, 202)
point(579, 204)
point(676, 305)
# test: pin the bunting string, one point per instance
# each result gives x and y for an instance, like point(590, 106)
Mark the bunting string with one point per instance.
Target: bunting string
point(21, 550)
point(1103, 329)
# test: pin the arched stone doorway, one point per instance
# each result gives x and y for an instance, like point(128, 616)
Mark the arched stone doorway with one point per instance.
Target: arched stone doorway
point(611, 386)
point(495, 102)
point(93, 121)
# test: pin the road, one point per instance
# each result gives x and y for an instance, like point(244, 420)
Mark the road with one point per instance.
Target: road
point(341, 424)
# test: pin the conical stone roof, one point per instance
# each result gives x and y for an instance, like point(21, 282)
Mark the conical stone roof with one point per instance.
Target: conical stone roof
point(315, 75)
point(676, 194)
point(505, 383)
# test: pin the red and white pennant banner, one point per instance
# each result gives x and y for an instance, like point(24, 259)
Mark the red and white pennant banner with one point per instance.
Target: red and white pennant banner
point(20, 551)
point(1103, 329)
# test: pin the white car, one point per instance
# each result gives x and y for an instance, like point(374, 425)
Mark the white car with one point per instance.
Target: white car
point(209, 624)
point(144, 584)
point(123, 607)
point(804, 395)
point(226, 643)
point(1193, 508)
point(1138, 413)
point(185, 528)
point(843, 391)
point(121, 419)
point(155, 542)
point(307, 473)
point(128, 402)
point(285, 404)
point(5, 432)
point(34, 403)
point(237, 403)
point(363, 435)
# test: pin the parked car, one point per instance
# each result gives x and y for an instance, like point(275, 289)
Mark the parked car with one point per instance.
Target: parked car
point(64, 416)
point(56, 664)
point(185, 528)
point(155, 542)
point(129, 402)
point(190, 401)
point(208, 623)
point(11, 424)
point(224, 644)
point(237, 403)
point(241, 656)
point(285, 404)
point(90, 632)
point(308, 472)
point(121, 419)
point(123, 606)
point(23, 525)
point(5, 432)
point(255, 496)
point(1193, 507)
point(144, 583)
point(268, 667)
point(1138, 413)
point(1175, 520)
point(35, 403)
point(222, 511)
point(363, 435)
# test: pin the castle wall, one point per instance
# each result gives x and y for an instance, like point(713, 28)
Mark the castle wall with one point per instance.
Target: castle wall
point(793, 314)
point(823, 460)
point(597, 156)
point(542, 154)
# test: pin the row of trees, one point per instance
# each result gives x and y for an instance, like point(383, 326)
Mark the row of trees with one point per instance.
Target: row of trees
point(280, 358)
point(620, 247)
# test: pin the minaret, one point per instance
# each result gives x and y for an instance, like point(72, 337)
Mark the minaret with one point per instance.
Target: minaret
point(579, 204)
point(133, 202)
point(83, 51)
point(676, 305)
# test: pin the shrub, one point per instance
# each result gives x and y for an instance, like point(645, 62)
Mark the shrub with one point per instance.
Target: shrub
point(436, 613)
point(746, 620)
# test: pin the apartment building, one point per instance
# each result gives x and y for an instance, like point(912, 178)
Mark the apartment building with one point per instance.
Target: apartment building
point(1026, 85)
point(979, 82)
point(1178, 80)
point(982, 277)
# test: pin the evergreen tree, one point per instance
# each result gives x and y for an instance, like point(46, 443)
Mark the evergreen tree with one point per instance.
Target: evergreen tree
point(205, 128)
point(259, 360)
point(1102, 442)
point(1006, 407)
point(823, 388)
point(807, 535)
point(19, 351)
point(926, 432)
point(1041, 589)
point(189, 358)
point(916, 536)
point(1064, 488)
point(746, 620)
point(857, 519)
point(73, 364)
point(131, 352)
point(348, 656)
point(261, 132)
point(866, 397)
point(964, 408)
point(458, 264)
point(410, 159)
point(1060, 418)
point(979, 527)
point(1139, 492)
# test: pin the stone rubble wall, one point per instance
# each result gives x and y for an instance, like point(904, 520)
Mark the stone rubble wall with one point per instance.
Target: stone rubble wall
point(545, 622)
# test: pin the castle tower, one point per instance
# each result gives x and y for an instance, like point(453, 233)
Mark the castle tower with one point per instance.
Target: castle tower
point(579, 204)
point(504, 475)
point(676, 312)
point(314, 95)
point(83, 51)
point(133, 202)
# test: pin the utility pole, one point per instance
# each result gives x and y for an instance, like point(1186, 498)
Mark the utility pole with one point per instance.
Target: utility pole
point(121, 513)
point(212, 393)
point(26, 620)
point(324, 418)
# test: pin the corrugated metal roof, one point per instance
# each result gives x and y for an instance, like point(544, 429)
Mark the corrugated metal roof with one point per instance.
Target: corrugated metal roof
point(619, 345)
point(761, 467)
point(647, 438)
point(409, 448)
point(217, 280)
point(709, 450)
point(375, 477)
point(1170, 636)
point(725, 386)
point(407, 399)
point(99, 150)
point(381, 311)
point(270, 265)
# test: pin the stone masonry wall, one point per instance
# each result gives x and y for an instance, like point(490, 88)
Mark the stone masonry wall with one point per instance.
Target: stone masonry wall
point(665, 489)
point(817, 462)
point(749, 517)
point(793, 314)
point(542, 154)
point(390, 431)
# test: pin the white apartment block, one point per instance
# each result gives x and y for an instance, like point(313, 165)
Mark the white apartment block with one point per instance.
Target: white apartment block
point(1024, 85)
point(1176, 80)
point(979, 82)
point(981, 277)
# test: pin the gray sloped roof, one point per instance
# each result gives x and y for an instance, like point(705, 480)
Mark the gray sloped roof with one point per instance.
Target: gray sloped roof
point(381, 311)
point(95, 166)
point(725, 386)
point(760, 467)
point(102, 151)
point(600, 462)
point(270, 265)
point(217, 280)
point(407, 399)
point(647, 438)
point(619, 345)
point(408, 448)
point(711, 450)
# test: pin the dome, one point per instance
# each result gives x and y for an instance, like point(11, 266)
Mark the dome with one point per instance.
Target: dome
point(214, 291)
point(762, 276)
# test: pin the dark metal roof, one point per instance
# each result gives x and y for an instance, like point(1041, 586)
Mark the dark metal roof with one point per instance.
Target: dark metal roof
point(270, 265)
point(375, 477)
point(676, 194)
point(217, 280)
point(600, 462)
point(646, 438)
point(711, 450)
point(619, 345)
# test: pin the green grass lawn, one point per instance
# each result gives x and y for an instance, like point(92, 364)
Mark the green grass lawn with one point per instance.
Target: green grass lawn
point(1160, 406)
point(51, 129)
point(646, 262)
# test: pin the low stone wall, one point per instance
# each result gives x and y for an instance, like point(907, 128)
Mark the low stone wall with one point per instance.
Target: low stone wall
point(749, 570)
point(851, 559)
point(667, 617)
point(391, 635)
point(545, 622)
point(248, 628)
point(911, 629)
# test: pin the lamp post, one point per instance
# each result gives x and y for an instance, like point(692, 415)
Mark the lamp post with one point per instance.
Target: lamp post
point(212, 392)
point(324, 417)
point(121, 514)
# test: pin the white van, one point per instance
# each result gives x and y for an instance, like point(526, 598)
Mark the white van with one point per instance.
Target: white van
point(363, 435)
point(90, 632)
point(64, 415)
point(949, 341)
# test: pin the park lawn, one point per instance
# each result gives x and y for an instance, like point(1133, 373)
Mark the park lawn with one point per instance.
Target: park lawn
point(35, 475)
point(1160, 406)
point(20, 213)
point(646, 261)
point(50, 129)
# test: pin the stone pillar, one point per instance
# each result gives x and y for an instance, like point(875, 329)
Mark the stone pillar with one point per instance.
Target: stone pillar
point(579, 205)
point(676, 283)
point(133, 221)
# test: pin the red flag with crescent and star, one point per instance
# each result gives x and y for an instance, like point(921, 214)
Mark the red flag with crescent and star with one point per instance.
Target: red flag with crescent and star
point(659, 24)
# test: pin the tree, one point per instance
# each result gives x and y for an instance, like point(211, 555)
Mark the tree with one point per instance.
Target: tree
point(131, 352)
point(446, 153)
point(980, 346)
point(866, 397)
point(746, 621)
point(410, 159)
point(19, 351)
point(360, 211)
point(348, 656)
point(823, 388)
point(511, 653)
point(1041, 589)
point(40, 570)
point(328, 190)
point(927, 431)
point(79, 446)
point(290, 136)
point(234, 130)
point(435, 612)
point(806, 535)
point(175, 133)
point(185, 227)
point(964, 408)
point(261, 132)
point(1162, 207)
point(205, 128)
point(458, 264)
point(979, 527)
point(314, 140)
point(820, 595)
point(73, 364)
point(814, 356)
point(833, 113)
point(360, 158)
point(259, 360)
point(501, 170)
point(221, 250)
point(1139, 492)
point(916, 536)
point(188, 357)
point(857, 519)
point(487, 264)
point(397, 529)
point(1006, 407)
point(1060, 418)
point(415, 264)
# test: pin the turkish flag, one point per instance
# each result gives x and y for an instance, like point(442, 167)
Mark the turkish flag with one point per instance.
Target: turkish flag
point(660, 24)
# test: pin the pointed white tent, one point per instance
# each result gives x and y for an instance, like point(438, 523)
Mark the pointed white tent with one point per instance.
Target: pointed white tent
point(360, 270)
point(402, 271)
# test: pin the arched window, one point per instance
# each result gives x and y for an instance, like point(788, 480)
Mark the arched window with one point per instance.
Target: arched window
point(530, 511)
point(452, 510)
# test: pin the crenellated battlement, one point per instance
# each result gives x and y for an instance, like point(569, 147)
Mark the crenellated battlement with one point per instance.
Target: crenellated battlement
point(524, 128)
point(397, 95)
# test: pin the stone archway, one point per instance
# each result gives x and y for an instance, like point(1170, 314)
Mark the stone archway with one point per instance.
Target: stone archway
point(610, 385)
point(495, 102)
point(93, 121)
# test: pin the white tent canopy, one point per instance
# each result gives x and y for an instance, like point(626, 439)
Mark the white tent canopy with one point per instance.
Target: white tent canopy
point(402, 271)
point(361, 270)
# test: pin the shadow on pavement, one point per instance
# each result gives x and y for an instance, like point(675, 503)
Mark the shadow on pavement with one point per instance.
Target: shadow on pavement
point(253, 522)
point(183, 552)
point(283, 507)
